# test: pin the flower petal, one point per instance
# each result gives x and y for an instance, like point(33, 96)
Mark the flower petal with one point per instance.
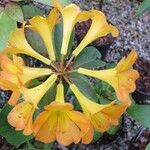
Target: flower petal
point(127, 63)
point(35, 94)
point(14, 98)
point(8, 65)
point(9, 81)
point(85, 102)
point(19, 44)
point(69, 14)
point(45, 28)
point(45, 130)
point(32, 73)
point(71, 135)
point(20, 116)
point(88, 137)
point(99, 28)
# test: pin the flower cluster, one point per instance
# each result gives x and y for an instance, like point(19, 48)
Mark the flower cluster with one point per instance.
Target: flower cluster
point(59, 121)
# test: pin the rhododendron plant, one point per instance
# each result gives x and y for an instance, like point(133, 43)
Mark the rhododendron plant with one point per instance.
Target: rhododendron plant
point(58, 119)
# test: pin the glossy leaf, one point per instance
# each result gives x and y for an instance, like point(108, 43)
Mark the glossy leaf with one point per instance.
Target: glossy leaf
point(1, 9)
point(48, 97)
point(14, 11)
point(84, 84)
point(140, 113)
point(48, 2)
point(30, 11)
point(35, 41)
point(97, 136)
point(114, 129)
point(148, 147)
point(16, 0)
point(144, 7)
point(7, 25)
point(89, 58)
point(13, 137)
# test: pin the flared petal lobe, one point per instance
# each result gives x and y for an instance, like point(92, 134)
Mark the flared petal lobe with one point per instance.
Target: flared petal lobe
point(60, 122)
point(101, 116)
point(122, 78)
point(21, 117)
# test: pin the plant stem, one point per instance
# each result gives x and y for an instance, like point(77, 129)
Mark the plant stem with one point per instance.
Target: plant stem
point(62, 62)
point(68, 63)
point(67, 80)
point(72, 71)
point(52, 65)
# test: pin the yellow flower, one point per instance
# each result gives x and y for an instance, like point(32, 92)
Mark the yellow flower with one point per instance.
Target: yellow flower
point(15, 75)
point(45, 27)
point(72, 14)
point(122, 77)
point(101, 116)
point(35, 94)
point(60, 122)
point(21, 115)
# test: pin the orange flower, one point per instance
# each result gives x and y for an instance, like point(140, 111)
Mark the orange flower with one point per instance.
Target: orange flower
point(101, 116)
point(60, 122)
point(122, 78)
point(15, 75)
point(21, 117)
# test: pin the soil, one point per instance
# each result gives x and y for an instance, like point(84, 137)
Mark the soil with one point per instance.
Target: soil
point(143, 83)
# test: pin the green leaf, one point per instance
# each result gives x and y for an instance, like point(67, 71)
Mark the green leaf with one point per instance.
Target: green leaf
point(30, 11)
point(13, 137)
point(105, 92)
point(83, 83)
point(16, 0)
point(41, 146)
point(48, 2)
point(114, 129)
point(14, 11)
point(97, 136)
point(1, 9)
point(144, 7)
point(140, 113)
point(58, 35)
point(35, 41)
point(148, 147)
point(7, 25)
point(89, 58)
point(48, 97)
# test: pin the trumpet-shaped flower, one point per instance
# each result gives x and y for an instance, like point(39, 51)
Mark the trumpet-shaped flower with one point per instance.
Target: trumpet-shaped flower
point(19, 45)
point(72, 14)
point(15, 75)
point(122, 77)
point(46, 31)
point(101, 116)
point(35, 94)
point(60, 122)
point(21, 115)
point(99, 28)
